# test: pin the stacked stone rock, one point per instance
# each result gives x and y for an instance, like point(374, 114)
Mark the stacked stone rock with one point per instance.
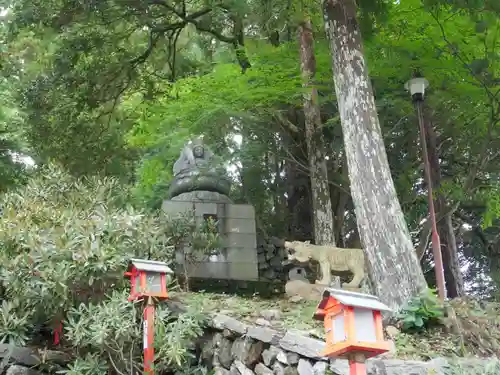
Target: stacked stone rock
point(271, 253)
point(270, 257)
point(232, 347)
point(238, 348)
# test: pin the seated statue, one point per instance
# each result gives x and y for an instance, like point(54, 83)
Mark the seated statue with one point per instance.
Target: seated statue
point(196, 170)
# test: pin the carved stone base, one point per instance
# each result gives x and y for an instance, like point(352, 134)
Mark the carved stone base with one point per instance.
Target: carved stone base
point(195, 180)
point(202, 196)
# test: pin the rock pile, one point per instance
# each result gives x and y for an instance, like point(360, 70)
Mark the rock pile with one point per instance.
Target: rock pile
point(271, 254)
point(238, 348)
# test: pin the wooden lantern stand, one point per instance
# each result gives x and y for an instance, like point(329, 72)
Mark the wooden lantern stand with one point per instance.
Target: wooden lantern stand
point(357, 364)
point(148, 279)
point(149, 331)
point(353, 327)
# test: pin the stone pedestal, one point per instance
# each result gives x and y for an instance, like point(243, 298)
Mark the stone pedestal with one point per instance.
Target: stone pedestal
point(237, 259)
point(202, 196)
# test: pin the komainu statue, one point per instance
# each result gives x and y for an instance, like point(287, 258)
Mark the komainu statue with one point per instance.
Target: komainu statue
point(331, 259)
point(197, 170)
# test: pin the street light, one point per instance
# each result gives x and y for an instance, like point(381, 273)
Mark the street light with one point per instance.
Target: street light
point(416, 87)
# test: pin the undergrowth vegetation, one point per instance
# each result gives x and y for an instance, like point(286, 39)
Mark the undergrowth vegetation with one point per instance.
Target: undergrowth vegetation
point(472, 330)
point(421, 312)
point(65, 243)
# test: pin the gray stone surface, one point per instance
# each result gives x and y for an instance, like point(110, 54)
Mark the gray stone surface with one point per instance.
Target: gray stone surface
point(234, 370)
point(247, 350)
point(264, 334)
point(305, 346)
point(201, 196)
point(305, 367)
point(30, 357)
point(237, 259)
point(243, 370)
point(271, 314)
point(297, 354)
point(263, 322)
point(291, 370)
point(261, 369)
point(224, 353)
point(21, 370)
point(278, 368)
point(221, 322)
point(220, 371)
point(292, 358)
point(269, 355)
point(281, 357)
point(288, 358)
point(320, 368)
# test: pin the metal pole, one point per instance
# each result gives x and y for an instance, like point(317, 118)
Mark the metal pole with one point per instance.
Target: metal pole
point(149, 350)
point(436, 243)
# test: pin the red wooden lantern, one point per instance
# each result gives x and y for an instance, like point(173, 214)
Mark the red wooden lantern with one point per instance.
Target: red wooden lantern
point(353, 324)
point(148, 278)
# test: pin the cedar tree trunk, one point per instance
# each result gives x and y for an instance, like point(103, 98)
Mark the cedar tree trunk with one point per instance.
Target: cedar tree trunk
point(320, 189)
point(395, 270)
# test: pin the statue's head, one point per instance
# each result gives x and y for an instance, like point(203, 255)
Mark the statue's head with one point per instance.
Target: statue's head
point(198, 152)
point(198, 149)
point(298, 251)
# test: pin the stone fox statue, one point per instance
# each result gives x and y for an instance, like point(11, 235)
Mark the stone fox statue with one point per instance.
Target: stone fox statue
point(331, 259)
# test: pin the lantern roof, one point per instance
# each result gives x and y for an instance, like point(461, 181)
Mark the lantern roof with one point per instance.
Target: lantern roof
point(353, 299)
point(151, 266)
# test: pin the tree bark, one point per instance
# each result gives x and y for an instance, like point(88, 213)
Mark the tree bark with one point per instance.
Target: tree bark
point(320, 189)
point(452, 273)
point(394, 267)
point(298, 184)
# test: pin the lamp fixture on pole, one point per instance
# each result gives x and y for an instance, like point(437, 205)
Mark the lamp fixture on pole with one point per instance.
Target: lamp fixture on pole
point(417, 87)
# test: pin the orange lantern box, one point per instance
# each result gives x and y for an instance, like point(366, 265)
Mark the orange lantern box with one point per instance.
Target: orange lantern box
point(353, 324)
point(148, 278)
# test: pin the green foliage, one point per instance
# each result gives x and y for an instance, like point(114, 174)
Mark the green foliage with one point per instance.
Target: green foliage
point(65, 244)
point(209, 100)
point(492, 367)
point(421, 312)
point(12, 171)
point(492, 212)
point(14, 326)
point(114, 327)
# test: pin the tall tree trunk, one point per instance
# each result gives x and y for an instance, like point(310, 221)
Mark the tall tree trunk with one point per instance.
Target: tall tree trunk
point(452, 273)
point(394, 267)
point(298, 184)
point(320, 189)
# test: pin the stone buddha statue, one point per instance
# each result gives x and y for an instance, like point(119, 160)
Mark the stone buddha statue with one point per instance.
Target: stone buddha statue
point(193, 155)
point(197, 170)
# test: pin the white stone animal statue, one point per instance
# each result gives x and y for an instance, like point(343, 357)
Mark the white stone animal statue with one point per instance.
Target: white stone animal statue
point(331, 259)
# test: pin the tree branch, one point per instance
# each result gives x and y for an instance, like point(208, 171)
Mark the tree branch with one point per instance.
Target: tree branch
point(237, 40)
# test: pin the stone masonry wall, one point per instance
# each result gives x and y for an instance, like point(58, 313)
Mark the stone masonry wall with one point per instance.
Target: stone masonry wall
point(237, 348)
point(270, 255)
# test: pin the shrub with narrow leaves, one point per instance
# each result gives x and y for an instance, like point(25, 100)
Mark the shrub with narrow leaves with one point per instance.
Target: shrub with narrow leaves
point(64, 245)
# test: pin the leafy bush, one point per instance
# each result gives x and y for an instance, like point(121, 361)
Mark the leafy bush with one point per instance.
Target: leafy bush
point(64, 245)
point(421, 312)
point(491, 367)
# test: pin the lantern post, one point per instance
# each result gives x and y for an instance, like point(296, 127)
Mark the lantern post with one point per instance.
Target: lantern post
point(148, 281)
point(353, 327)
point(417, 87)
